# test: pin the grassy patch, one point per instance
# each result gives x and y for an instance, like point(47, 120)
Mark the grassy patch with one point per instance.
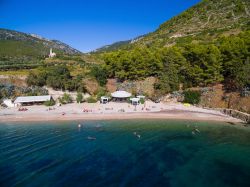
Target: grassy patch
point(16, 72)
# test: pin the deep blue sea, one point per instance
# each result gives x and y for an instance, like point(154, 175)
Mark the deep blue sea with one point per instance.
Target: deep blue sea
point(125, 153)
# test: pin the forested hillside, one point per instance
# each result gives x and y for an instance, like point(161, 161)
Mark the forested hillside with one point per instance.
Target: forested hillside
point(205, 45)
point(193, 64)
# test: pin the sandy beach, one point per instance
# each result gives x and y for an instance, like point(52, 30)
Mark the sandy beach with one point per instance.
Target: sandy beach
point(112, 111)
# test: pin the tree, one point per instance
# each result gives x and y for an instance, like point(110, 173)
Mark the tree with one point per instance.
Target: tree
point(204, 64)
point(168, 79)
point(100, 74)
point(243, 76)
point(192, 97)
point(36, 79)
point(235, 56)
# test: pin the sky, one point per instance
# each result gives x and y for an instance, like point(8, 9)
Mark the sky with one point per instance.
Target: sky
point(89, 24)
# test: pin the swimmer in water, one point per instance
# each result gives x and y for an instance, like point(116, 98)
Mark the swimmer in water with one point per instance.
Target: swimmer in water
point(98, 126)
point(197, 130)
point(91, 138)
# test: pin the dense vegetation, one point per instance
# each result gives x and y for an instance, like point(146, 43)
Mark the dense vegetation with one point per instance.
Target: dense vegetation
point(57, 77)
point(19, 63)
point(100, 73)
point(192, 97)
point(193, 64)
point(11, 91)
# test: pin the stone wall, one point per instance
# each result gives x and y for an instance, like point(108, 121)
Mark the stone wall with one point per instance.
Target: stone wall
point(237, 114)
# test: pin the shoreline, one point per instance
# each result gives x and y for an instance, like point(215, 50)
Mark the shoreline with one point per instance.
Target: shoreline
point(113, 111)
point(169, 114)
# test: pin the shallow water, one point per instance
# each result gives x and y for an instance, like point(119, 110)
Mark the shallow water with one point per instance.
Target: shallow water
point(169, 153)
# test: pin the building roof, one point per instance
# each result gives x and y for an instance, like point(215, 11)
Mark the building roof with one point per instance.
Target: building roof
point(140, 96)
point(135, 99)
point(30, 99)
point(121, 94)
point(104, 97)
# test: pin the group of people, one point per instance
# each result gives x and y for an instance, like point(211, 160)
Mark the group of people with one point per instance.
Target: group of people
point(51, 108)
point(86, 110)
point(22, 109)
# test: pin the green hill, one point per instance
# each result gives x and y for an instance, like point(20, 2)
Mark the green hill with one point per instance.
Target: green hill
point(20, 50)
point(205, 45)
point(203, 22)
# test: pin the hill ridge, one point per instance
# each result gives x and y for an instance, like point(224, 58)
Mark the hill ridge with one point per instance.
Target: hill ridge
point(61, 47)
point(206, 20)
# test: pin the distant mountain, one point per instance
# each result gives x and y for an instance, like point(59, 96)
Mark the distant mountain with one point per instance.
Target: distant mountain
point(117, 45)
point(202, 22)
point(114, 46)
point(14, 43)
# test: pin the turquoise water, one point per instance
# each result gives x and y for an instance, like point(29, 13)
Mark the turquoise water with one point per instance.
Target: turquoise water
point(108, 153)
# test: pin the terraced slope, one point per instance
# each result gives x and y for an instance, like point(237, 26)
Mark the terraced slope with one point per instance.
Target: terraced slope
point(203, 22)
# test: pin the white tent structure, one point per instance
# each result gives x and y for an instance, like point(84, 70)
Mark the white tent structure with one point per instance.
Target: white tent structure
point(135, 101)
point(32, 100)
point(104, 99)
point(121, 94)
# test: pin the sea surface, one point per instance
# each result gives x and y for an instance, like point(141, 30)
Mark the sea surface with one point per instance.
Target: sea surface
point(125, 153)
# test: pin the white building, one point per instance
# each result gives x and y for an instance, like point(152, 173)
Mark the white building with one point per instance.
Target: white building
point(8, 103)
point(29, 100)
point(51, 53)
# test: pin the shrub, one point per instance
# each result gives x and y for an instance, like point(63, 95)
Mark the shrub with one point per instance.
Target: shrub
point(61, 101)
point(91, 100)
point(65, 99)
point(50, 103)
point(192, 97)
point(142, 101)
point(79, 97)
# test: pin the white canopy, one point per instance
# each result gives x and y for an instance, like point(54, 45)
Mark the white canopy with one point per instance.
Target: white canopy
point(140, 96)
point(30, 99)
point(104, 98)
point(135, 99)
point(121, 94)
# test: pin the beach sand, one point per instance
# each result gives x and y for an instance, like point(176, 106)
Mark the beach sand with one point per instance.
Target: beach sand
point(112, 111)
